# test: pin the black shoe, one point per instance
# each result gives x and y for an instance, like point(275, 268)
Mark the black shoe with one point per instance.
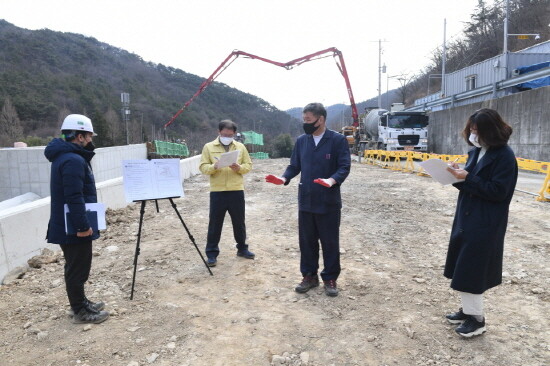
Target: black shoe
point(86, 315)
point(308, 282)
point(96, 306)
point(246, 254)
point(330, 288)
point(456, 318)
point(211, 262)
point(471, 327)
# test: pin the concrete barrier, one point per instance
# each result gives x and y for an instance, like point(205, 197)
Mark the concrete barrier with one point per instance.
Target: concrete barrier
point(24, 170)
point(23, 228)
point(527, 112)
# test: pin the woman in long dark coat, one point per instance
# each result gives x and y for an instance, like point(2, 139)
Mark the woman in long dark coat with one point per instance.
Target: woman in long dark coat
point(474, 257)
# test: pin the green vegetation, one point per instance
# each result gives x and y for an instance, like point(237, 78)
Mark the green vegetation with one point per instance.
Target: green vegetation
point(46, 75)
point(282, 146)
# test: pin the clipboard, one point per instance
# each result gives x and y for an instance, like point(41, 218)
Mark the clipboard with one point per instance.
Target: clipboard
point(95, 213)
point(438, 170)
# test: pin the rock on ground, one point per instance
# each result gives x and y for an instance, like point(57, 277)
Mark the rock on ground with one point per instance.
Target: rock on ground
point(390, 311)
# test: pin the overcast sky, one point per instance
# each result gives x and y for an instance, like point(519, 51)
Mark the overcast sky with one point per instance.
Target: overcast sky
point(196, 36)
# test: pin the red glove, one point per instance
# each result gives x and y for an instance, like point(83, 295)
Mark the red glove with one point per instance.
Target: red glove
point(324, 182)
point(275, 180)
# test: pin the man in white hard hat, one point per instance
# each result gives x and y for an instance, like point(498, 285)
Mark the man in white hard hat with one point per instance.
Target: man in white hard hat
point(72, 183)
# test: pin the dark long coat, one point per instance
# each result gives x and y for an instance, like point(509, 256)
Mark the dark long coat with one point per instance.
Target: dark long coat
point(474, 257)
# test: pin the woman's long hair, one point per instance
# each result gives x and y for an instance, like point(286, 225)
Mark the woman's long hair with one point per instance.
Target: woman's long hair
point(492, 131)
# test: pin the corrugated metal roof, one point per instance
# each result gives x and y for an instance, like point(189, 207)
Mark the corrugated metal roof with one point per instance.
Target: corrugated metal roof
point(543, 47)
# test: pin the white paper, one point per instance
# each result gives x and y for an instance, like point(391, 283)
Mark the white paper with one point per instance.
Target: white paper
point(97, 207)
point(228, 158)
point(151, 179)
point(438, 170)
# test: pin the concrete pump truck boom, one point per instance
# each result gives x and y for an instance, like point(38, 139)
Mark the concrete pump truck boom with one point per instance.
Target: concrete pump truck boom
point(336, 54)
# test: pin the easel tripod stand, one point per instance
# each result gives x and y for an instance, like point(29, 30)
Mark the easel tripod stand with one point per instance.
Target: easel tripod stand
point(141, 214)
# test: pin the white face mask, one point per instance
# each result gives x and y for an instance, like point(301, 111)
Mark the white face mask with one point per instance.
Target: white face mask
point(474, 140)
point(226, 140)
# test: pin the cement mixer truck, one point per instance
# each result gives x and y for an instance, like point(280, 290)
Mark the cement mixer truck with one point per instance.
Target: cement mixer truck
point(395, 130)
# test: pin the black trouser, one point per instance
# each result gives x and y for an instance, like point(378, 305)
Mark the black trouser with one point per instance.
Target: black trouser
point(78, 262)
point(220, 203)
point(313, 228)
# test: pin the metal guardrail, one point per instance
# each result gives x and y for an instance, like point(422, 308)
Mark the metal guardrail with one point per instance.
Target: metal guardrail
point(484, 89)
point(384, 158)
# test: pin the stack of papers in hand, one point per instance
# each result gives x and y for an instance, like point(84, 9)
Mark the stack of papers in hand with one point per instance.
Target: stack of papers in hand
point(438, 170)
point(228, 158)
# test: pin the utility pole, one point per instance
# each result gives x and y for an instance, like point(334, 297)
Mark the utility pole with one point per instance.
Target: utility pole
point(444, 59)
point(142, 137)
point(125, 99)
point(505, 47)
point(381, 69)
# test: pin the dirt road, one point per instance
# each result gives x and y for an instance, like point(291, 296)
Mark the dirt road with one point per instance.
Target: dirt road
point(390, 310)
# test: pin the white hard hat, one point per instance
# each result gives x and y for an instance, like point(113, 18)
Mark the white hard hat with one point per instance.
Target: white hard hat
point(77, 122)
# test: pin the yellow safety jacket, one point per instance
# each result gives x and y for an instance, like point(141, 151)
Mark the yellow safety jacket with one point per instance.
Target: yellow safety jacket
point(224, 179)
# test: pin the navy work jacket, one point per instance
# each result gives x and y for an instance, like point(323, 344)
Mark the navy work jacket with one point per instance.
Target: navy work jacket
point(329, 159)
point(72, 183)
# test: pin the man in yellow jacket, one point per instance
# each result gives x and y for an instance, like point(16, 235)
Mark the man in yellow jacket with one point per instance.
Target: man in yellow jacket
point(226, 190)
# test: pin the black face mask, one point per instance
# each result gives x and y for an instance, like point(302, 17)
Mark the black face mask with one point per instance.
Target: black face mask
point(309, 128)
point(89, 146)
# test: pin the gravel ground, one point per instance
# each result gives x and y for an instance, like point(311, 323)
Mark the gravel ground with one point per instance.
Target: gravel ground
point(390, 311)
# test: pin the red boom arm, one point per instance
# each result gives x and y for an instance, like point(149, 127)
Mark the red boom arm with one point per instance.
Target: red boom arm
point(288, 65)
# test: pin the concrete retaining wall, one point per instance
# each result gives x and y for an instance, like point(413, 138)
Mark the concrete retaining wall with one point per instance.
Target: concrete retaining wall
point(527, 112)
point(23, 228)
point(26, 169)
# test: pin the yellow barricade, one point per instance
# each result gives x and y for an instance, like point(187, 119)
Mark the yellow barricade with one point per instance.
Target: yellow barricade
point(545, 190)
point(392, 160)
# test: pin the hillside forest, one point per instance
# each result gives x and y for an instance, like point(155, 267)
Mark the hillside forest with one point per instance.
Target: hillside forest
point(46, 75)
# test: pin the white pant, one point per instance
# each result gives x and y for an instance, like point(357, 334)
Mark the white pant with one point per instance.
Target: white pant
point(472, 304)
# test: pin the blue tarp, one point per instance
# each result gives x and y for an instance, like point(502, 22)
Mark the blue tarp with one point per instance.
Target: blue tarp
point(526, 69)
point(545, 81)
point(535, 83)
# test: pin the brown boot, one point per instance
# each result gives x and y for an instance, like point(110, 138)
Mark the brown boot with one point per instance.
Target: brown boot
point(308, 282)
point(330, 288)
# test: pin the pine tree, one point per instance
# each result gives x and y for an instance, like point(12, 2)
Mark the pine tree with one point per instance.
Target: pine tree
point(101, 129)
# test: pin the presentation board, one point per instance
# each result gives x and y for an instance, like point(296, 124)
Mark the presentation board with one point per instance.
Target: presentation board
point(151, 179)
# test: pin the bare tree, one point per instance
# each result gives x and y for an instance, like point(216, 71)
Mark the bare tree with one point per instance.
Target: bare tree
point(10, 126)
point(483, 37)
point(115, 127)
point(63, 112)
point(404, 91)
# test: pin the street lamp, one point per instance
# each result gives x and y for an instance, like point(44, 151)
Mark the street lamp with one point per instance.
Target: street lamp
point(520, 36)
point(525, 36)
point(400, 77)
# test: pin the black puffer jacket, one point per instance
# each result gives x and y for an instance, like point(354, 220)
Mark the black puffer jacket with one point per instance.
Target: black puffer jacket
point(72, 183)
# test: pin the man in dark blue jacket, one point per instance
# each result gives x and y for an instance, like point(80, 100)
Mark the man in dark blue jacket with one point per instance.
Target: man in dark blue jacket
point(72, 183)
point(322, 157)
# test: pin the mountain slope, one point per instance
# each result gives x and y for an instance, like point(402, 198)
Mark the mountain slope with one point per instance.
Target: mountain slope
point(48, 74)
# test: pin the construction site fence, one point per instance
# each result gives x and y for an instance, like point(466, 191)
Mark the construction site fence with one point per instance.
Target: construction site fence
point(254, 138)
point(170, 149)
point(259, 155)
point(393, 160)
